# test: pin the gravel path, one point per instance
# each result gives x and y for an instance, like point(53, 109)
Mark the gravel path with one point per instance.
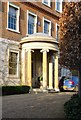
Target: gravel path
point(41, 105)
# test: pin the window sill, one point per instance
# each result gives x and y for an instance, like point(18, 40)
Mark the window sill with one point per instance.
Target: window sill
point(56, 41)
point(30, 34)
point(58, 11)
point(13, 30)
point(13, 76)
point(47, 5)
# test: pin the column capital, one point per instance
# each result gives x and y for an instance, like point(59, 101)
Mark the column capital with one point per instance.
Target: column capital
point(56, 54)
point(44, 50)
point(29, 50)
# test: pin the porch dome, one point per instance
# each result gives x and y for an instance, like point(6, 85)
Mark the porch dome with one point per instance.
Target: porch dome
point(39, 34)
point(38, 37)
point(39, 41)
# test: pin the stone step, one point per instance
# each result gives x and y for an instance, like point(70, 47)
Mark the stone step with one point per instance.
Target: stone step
point(52, 91)
point(39, 90)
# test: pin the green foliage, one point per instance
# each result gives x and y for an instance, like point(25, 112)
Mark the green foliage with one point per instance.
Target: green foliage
point(10, 90)
point(72, 108)
point(40, 78)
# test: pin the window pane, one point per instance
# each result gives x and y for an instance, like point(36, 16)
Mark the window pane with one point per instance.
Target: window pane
point(58, 5)
point(13, 63)
point(11, 26)
point(14, 26)
point(57, 32)
point(12, 18)
point(31, 24)
point(46, 2)
point(46, 27)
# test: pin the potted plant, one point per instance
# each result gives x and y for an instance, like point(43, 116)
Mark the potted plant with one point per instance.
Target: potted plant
point(40, 79)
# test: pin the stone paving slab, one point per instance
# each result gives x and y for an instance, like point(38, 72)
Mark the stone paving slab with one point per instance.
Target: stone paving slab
point(41, 105)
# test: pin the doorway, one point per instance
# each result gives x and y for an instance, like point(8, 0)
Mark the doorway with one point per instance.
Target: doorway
point(36, 68)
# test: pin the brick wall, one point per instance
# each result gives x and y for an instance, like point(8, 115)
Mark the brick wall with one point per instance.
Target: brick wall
point(39, 9)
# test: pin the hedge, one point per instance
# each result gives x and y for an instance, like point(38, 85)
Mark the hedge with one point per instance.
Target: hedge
point(72, 108)
point(10, 90)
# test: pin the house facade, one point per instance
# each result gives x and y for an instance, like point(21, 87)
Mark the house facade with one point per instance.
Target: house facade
point(29, 43)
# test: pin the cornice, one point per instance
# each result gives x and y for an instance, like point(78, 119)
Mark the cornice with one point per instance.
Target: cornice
point(52, 13)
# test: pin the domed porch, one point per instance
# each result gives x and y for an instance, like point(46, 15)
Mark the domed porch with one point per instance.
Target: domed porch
point(39, 59)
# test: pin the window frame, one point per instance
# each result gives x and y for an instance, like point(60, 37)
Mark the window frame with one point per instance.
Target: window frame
point(44, 19)
point(35, 27)
point(17, 74)
point(49, 3)
point(60, 6)
point(18, 14)
point(56, 32)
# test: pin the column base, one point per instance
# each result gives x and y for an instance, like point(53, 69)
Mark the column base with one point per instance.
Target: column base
point(57, 89)
point(23, 84)
point(45, 91)
point(50, 88)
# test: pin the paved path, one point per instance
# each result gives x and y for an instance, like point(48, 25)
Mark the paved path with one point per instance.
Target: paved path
point(41, 105)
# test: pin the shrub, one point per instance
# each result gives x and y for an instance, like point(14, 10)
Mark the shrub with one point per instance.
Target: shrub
point(72, 108)
point(10, 90)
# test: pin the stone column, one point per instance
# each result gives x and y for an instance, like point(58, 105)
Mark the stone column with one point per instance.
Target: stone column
point(45, 68)
point(56, 72)
point(23, 67)
point(29, 70)
point(29, 67)
point(50, 76)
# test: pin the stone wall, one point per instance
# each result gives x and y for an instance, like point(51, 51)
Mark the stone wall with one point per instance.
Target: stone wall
point(5, 46)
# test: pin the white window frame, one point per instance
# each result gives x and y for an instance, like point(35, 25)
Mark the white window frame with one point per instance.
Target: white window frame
point(35, 27)
point(18, 14)
point(49, 3)
point(44, 19)
point(56, 31)
point(17, 74)
point(60, 6)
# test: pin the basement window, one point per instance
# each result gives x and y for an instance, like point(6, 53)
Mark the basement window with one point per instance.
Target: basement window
point(13, 63)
